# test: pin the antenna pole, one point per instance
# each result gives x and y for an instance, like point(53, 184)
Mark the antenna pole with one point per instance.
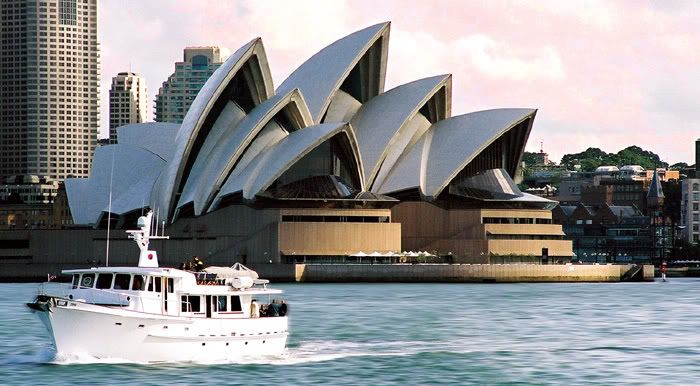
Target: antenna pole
point(109, 210)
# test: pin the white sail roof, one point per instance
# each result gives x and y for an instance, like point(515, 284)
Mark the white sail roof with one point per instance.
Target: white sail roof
point(117, 168)
point(382, 124)
point(268, 166)
point(457, 141)
point(447, 147)
point(213, 89)
point(156, 137)
point(321, 75)
point(240, 140)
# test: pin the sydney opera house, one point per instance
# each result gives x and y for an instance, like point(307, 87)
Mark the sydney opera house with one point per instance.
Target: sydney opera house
point(324, 166)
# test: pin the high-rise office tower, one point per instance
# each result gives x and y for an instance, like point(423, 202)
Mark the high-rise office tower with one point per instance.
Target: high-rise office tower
point(49, 82)
point(127, 102)
point(177, 93)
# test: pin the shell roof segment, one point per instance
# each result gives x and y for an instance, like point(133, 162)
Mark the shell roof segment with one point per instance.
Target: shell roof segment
point(408, 172)
point(156, 137)
point(229, 119)
point(321, 75)
point(379, 123)
point(268, 166)
point(252, 134)
point(131, 166)
point(458, 140)
point(170, 180)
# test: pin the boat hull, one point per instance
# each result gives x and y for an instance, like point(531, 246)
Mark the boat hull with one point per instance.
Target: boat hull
point(82, 329)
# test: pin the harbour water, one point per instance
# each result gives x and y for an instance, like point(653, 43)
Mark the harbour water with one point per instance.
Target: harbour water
point(410, 334)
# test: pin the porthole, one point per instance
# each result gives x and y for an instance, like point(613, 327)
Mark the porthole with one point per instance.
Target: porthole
point(227, 343)
point(204, 344)
point(263, 341)
point(246, 343)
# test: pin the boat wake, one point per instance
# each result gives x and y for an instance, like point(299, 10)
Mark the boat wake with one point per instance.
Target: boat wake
point(84, 359)
point(306, 352)
point(324, 351)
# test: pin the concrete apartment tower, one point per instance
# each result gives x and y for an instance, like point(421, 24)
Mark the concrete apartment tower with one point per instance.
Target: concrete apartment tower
point(690, 202)
point(177, 93)
point(128, 102)
point(49, 87)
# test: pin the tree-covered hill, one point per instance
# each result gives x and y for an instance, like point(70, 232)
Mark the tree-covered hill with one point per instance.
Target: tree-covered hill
point(593, 157)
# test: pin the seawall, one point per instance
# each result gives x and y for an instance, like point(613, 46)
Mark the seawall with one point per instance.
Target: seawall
point(404, 273)
point(455, 273)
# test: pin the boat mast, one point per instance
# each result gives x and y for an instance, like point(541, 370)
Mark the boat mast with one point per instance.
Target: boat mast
point(109, 210)
point(142, 237)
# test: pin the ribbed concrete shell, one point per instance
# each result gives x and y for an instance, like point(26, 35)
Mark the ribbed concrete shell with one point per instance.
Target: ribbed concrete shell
point(268, 166)
point(156, 137)
point(456, 142)
point(449, 146)
point(203, 114)
point(324, 73)
point(385, 125)
point(128, 167)
point(252, 134)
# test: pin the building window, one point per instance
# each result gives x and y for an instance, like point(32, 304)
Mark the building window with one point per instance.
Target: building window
point(67, 12)
point(696, 187)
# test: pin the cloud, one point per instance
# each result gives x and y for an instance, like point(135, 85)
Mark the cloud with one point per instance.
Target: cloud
point(601, 73)
point(500, 60)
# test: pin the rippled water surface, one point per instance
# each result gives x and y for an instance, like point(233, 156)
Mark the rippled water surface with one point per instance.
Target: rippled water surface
point(409, 334)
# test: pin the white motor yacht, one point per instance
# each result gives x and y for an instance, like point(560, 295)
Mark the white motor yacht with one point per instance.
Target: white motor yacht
point(153, 314)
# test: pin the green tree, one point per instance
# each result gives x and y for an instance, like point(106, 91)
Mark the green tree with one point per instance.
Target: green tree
point(678, 166)
point(530, 158)
point(593, 157)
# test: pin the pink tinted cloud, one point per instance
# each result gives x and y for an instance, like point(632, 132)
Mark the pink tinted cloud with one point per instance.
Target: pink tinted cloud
point(602, 73)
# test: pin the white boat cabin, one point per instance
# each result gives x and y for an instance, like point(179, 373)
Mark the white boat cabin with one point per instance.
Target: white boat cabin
point(167, 291)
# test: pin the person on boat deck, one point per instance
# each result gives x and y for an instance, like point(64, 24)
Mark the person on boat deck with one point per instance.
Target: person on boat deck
point(254, 309)
point(197, 264)
point(273, 309)
point(283, 308)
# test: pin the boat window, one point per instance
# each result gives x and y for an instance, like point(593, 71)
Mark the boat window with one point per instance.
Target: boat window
point(171, 285)
point(222, 303)
point(76, 280)
point(190, 303)
point(236, 303)
point(104, 281)
point(139, 283)
point(158, 282)
point(121, 281)
point(88, 280)
point(150, 283)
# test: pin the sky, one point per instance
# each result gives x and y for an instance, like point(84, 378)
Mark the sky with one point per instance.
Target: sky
point(604, 74)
